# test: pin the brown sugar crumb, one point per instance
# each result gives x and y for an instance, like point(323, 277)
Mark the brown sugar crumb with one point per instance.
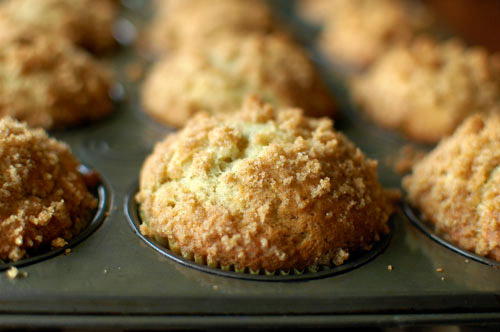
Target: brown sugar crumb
point(406, 157)
point(439, 269)
point(49, 83)
point(218, 79)
point(389, 267)
point(43, 197)
point(59, 242)
point(13, 273)
point(425, 90)
point(134, 71)
point(456, 186)
point(255, 190)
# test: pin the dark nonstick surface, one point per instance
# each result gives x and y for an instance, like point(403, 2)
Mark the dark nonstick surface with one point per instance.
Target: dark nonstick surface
point(114, 279)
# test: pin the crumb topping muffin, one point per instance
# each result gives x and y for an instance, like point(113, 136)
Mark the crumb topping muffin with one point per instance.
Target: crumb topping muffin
point(456, 186)
point(425, 90)
point(86, 23)
point(217, 79)
point(169, 30)
point(43, 197)
point(262, 189)
point(49, 83)
point(356, 32)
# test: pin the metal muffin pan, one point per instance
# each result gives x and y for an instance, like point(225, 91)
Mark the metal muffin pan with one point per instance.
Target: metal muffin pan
point(114, 279)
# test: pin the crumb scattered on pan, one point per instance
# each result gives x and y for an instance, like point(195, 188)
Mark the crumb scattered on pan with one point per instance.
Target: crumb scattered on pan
point(443, 278)
point(389, 267)
point(405, 158)
point(59, 242)
point(467, 261)
point(134, 71)
point(215, 287)
point(105, 271)
point(439, 269)
point(67, 251)
point(13, 273)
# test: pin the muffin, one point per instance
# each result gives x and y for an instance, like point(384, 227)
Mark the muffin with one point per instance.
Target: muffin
point(49, 83)
point(217, 79)
point(262, 189)
point(86, 23)
point(456, 186)
point(425, 90)
point(43, 197)
point(210, 19)
point(356, 32)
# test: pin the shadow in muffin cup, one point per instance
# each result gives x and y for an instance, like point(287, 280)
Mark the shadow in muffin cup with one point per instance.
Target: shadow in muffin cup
point(356, 258)
point(102, 192)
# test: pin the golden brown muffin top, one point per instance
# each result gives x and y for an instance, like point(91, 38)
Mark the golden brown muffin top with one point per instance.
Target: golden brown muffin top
point(42, 195)
point(218, 79)
point(263, 189)
point(207, 20)
point(86, 23)
point(356, 32)
point(428, 88)
point(49, 83)
point(456, 186)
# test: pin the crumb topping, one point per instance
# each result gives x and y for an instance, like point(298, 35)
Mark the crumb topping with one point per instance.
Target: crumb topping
point(48, 83)
point(456, 186)
point(427, 89)
point(263, 189)
point(218, 79)
point(42, 195)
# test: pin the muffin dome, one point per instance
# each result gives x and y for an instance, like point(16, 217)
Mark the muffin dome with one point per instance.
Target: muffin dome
point(262, 189)
point(49, 83)
point(425, 90)
point(218, 79)
point(86, 23)
point(456, 187)
point(43, 197)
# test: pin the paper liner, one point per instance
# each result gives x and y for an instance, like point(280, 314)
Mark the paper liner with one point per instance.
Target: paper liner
point(209, 261)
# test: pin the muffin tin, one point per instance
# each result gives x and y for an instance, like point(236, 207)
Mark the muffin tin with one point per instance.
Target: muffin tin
point(114, 278)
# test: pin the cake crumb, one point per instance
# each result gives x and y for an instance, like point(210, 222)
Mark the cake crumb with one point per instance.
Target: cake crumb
point(215, 287)
point(134, 71)
point(59, 242)
point(67, 251)
point(467, 261)
point(389, 267)
point(405, 158)
point(439, 269)
point(443, 279)
point(13, 273)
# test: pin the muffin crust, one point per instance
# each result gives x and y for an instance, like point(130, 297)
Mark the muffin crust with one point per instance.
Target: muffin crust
point(262, 189)
point(86, 23)
point(49, 83)
point(169, 30)
point(425, 90)
point(42, 196)
point(356, 32)
point(456, 186)
point(217, 80)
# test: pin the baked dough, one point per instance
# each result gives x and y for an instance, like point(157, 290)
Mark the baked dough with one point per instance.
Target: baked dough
point(456, 187)
point(43, 197)
point(262, 189)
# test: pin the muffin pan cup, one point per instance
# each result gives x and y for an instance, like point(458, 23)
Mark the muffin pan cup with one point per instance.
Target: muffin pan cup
point(113, 279)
